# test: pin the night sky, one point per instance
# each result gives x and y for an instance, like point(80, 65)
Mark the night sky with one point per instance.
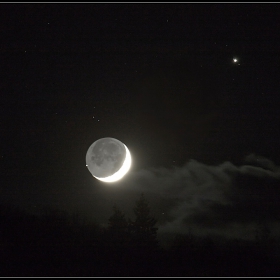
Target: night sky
point(202, 129)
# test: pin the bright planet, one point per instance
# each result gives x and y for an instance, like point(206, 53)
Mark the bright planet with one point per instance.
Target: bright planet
point(108, 159)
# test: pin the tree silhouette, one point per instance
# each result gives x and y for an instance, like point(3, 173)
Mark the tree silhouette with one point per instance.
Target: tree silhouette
point(118, 228)
point(143, 229)
point(117, 221)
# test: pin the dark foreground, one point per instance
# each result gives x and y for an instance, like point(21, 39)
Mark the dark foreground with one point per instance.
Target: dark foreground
point(53, 246)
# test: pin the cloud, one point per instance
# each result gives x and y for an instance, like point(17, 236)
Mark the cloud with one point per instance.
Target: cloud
point(261, 162)
point(224, 199)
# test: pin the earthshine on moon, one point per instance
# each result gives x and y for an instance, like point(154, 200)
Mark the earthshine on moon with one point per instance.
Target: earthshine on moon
point(108, 159)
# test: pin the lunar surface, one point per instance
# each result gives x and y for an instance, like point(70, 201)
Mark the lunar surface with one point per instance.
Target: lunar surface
point(108, 159)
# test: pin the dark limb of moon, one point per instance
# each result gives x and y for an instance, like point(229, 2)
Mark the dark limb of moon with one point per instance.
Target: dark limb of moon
point(105, 157)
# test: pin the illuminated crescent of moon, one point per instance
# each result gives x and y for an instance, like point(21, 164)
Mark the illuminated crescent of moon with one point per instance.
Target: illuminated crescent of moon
point(121, 172)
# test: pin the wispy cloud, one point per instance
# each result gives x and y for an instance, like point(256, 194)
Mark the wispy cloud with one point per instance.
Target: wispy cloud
point(225, 199)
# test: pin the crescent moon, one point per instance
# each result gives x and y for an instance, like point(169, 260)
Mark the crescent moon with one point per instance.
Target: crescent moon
point(121, 172)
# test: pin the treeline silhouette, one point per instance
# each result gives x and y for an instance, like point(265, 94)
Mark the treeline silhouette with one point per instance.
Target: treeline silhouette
point(58, 244)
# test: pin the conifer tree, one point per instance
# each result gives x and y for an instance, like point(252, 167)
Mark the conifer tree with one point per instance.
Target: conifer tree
point(117, 221)
point(117, 228)
point(143, 227)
